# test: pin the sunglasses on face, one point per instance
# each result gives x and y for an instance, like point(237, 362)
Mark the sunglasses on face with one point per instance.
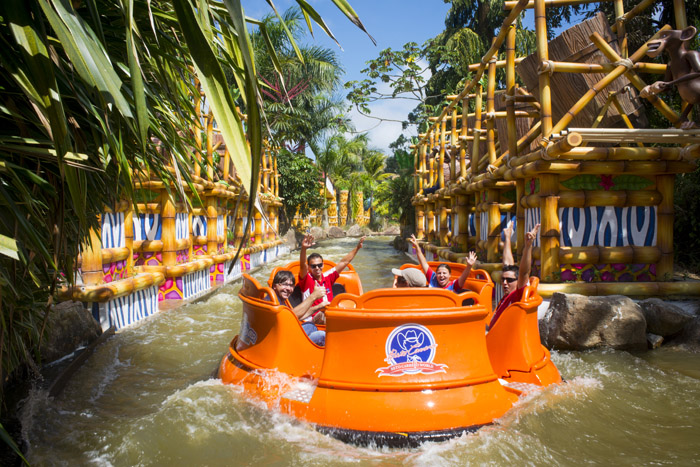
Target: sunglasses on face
point(509, 279)
point(316, 266)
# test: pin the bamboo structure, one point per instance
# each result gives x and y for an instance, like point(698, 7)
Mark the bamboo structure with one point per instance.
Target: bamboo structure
point(577, 160)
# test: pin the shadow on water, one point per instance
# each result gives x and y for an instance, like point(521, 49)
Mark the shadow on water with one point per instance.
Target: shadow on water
point(145, 398)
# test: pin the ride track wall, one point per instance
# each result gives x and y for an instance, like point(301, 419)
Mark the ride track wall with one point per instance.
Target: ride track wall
point(602, 190)
point(159, 250)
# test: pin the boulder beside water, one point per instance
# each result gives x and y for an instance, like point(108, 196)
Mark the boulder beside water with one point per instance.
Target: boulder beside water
point(663, 318)
point(336, 232)
point(577, 322)
point(70, 326)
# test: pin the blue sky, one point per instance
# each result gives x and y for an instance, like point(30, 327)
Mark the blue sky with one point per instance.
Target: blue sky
point(392, 23)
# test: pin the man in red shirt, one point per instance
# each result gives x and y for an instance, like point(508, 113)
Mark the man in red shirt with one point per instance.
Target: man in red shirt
point(514, 279)
point(311, 270)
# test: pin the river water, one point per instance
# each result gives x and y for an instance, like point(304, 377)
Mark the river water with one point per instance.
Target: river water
point(146, 397)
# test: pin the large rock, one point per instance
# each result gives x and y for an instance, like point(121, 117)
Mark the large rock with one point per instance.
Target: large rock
point(663, 318)
point(336, 232)
point(400, 243)
point(290, 238)
point(355, 231)
point(318, 233)
point(577, 322)
point(392, 230)
point(70, 326)
point(689, 337)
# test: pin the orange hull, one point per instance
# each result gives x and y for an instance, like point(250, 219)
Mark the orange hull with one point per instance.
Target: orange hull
point(400, 366)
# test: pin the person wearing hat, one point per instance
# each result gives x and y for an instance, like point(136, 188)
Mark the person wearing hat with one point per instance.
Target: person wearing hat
point(409, 277)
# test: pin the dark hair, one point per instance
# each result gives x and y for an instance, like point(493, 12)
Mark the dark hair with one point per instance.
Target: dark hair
point(283, 276)
point(511, 268)
point(444, 265)
point(313, 256)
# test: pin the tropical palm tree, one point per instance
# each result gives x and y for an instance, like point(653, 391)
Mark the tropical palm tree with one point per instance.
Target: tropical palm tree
point(94, 95)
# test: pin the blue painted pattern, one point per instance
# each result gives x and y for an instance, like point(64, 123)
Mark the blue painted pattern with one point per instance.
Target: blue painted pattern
point(130, 309)
point(112, 230)
point(472, 225)
point(182, 230)
point(220, 226)
point(608, 226)
point(199, 226)
point(195, 283)
point(484, 226)
point(147, 227)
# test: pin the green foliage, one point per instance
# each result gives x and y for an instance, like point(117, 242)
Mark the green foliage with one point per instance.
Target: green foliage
point(299, 184)
point(686, 227)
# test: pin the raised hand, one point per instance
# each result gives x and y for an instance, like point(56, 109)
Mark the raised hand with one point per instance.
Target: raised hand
point(532, 235)
point(413, 240)
point(471, 258)
point(360, 243)
point(508, 231)
point(308, 241)
point(319, 292)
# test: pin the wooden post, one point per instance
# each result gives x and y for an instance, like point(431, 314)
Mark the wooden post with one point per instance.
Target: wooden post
point(549, 230)
point(477, 132)
point(91, 254)
point(543, 54)
point(510, 93)
point(490, 112)
point(240, 223)
point(454, 146)
point(477, 220)
point(212, 221)
point(441, 162)
point(664, 235)
point(494, 231)
point(210, 146)
point(443, 211)
point(420, 220)
point(258, 227)
point(422, 179)
point(463, 222)
point(129, 238)
point(679, 14)
point(197, 126)
point(519, 215)
point(168, 233)
point(464, 132)
point(431, 222)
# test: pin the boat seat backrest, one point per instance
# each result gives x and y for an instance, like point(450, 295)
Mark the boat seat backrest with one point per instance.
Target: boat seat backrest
point(514, 339)
point(362, 330)
point(271, 336)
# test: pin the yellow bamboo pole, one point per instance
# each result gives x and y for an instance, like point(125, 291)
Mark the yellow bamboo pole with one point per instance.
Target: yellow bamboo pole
point(510, 92)
point(563, 146)
point(490, 110)
point(519, 215)
point(551, 66)
point(477, 132)
point(463, 134)
point(210, 146)
point(630, 289)
point(664, 235)
point(549, 231)
point(420, 220)
point(614, 198)
point(499, 64)
point(463, 222)
point(442, 220)
point(494, 232)
point(431, 222)
point(212, 221)
point(621, 34)
point(441, 162)
point(598, 87)
point(508, 5)
point(454, 153)
point(636, 81)
point(168, 233)
point(543, 54)
point(129, 238)
point(679, 14)
point(638, 8)
point(91, 259)
point(477, 220)
point(623, 114)
point(609, 255)
point(197, 125)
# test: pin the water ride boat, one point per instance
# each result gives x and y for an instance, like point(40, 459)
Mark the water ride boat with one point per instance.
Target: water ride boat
point(401, 366)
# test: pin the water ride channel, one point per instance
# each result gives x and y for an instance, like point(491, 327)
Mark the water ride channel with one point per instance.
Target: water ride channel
point(147, 397)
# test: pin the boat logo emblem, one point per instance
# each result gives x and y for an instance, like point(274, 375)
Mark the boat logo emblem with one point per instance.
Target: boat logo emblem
point(410, 349)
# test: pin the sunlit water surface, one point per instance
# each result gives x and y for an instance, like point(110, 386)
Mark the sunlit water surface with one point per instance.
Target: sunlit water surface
point(147, 397)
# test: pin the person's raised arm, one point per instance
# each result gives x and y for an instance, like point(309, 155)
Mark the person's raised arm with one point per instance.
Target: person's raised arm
point(307, 308)
point(524, 270)
point(343, 263)
point(507, 251)
point(305, 243)
point(421, 258)
point(471, 261)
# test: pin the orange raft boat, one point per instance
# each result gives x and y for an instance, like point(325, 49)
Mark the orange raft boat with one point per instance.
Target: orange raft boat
point(400, 366)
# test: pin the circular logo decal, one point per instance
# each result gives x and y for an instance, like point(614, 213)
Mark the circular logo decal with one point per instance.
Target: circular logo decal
point(410, 349)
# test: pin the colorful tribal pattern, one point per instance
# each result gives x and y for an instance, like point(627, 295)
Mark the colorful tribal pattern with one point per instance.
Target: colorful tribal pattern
point(199, 226)
point(114, 271)
point(148, 259)
point(608, 226)
point(617, 272)
point(183, 256)
point(127, 310)
point(147, 227)
point(198, 250)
